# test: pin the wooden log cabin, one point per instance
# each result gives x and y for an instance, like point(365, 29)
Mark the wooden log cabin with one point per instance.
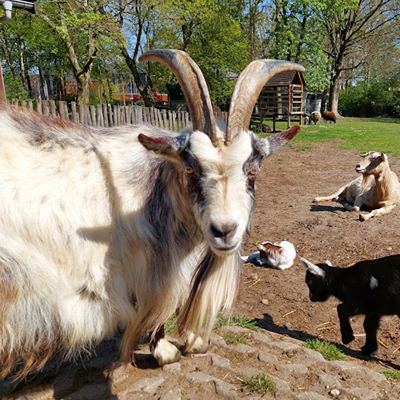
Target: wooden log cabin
point(282, 99)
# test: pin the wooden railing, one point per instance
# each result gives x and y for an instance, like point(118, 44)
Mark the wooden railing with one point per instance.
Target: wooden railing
point(107, 115)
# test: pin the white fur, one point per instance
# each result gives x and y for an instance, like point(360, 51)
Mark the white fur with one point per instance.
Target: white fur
point(373, 283)
point(314, 269)
point(166, 353)
point(82, 248)
point(280, 256)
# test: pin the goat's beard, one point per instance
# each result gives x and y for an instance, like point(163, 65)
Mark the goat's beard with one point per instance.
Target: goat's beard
point(214, 288)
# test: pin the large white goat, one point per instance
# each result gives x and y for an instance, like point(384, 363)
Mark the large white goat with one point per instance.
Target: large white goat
point(378, 187)
point(123, 226)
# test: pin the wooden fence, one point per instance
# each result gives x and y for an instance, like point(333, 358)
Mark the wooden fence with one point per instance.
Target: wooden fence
point(107, 115)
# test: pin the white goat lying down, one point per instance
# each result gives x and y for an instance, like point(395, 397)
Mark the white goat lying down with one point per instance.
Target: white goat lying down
point(102, 227)
point(278, 255)
point(378, 187)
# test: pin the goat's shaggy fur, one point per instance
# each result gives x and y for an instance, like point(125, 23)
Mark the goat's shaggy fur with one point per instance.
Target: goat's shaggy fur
point(103, 228)
point(378, 187)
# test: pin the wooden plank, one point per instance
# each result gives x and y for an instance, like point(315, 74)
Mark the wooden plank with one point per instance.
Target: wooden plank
point(74, 114)
point(63, 110)
point(45, 108)
point(100, 119)
point(93, 118)
point(164, 118)
point(53, 108)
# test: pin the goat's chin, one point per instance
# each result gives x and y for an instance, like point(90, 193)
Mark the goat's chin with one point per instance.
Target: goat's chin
point(221, 249)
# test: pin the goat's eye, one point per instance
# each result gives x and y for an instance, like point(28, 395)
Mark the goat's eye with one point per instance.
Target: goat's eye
point(189, 170)
point(252, 172)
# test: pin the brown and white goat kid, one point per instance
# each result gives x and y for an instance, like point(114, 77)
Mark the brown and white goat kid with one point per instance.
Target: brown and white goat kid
point(103, 227)
point(279, 255)
point(377, 188)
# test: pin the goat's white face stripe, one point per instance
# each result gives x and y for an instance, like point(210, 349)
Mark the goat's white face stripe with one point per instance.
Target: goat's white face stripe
point(224, 184)
point(373, 283)
point(215, 160)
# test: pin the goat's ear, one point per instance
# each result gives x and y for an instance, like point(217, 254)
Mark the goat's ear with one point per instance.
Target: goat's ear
point(327, 262)
point(314, 269)
point(165, 145)
point(273, 143)
point(364, 155)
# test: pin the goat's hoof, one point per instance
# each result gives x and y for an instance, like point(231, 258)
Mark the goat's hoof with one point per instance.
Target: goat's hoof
point(369, 351)
point(364, 217)
point(347, 339)
point(166, 353)
point(198, 346)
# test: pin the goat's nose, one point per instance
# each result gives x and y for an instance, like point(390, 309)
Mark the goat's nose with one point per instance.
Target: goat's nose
point(224, 231)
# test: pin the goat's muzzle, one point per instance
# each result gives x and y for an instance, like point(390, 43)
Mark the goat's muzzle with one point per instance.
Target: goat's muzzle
point(224, 237)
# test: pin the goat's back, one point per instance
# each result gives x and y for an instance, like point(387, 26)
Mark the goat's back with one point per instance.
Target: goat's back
point(74, 243)
point(374, 283)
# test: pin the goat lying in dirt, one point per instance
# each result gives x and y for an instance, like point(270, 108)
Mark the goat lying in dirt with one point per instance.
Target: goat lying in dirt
point(279, 255)
point(370, 288)
point(378, 187)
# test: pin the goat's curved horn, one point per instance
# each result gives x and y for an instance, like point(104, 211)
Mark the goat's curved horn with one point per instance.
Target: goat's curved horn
point(248, 88)
point(193, 86)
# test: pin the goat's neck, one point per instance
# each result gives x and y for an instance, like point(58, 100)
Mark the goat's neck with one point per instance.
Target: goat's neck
point(337, 282)
point(382, 182)
point(366, 180)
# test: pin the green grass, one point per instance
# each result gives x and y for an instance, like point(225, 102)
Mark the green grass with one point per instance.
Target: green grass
point(392, 375)
point(260, 384)
point(362, 134)
point(171, 325)
point(234, 338)
point(235, 320)
point(328, 350)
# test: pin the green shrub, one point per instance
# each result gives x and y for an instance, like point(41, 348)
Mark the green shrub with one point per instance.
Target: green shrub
point(369, 99)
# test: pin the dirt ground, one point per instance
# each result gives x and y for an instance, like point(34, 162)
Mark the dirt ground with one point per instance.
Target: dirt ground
point(278, 300)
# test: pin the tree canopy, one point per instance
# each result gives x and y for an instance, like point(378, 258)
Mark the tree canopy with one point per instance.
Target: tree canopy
point(338, 42)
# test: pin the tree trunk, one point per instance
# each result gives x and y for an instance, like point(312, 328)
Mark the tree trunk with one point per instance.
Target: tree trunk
point(334, 94)
point(82, 81)
point(144, 90)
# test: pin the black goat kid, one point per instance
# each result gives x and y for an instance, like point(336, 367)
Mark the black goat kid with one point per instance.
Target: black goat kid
point(370, 288)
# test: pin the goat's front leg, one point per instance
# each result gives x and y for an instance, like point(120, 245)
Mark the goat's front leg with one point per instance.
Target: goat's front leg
point(371, 325)
point(163, 351)
point(344, 313)
point(358, 202)
point(379, 211)
point(195, 345)
point(335, 196)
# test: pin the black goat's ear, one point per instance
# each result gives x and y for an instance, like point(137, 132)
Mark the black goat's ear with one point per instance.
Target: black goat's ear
point(314, 269)
point(165, 145)
point(327, 262)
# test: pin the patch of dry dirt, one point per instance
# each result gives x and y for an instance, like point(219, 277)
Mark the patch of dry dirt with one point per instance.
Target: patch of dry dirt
point(287, 185)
